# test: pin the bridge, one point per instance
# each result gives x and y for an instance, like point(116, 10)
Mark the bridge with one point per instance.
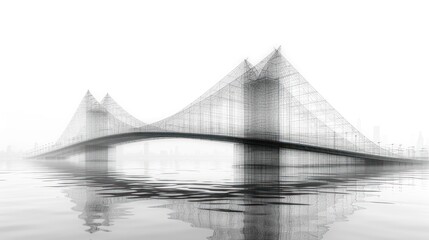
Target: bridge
point(269, 104)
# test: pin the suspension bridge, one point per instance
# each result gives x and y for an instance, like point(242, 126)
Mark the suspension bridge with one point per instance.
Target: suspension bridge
point(269, 104)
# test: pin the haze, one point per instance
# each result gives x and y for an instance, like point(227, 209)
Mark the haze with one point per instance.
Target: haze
point(369, 59)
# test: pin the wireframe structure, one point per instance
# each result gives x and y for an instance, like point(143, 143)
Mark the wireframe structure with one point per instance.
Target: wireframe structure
point(256, 205)
point(270, 101)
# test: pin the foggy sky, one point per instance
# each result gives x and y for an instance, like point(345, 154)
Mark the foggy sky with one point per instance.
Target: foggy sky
point(369, 59)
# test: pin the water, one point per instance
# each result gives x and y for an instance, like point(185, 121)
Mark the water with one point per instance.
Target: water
point(170, 195)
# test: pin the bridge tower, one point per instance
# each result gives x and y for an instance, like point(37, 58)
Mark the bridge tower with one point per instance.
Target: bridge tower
point(96, 121)
point(261, 100)
point(89, 121)
point(261, 103)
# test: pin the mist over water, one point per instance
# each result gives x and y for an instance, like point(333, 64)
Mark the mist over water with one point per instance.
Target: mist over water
point(233, 192)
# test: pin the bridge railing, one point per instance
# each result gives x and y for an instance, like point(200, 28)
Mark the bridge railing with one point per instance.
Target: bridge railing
point(385, 150)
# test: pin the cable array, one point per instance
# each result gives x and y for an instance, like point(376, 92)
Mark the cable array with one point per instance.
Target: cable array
point(267, 101)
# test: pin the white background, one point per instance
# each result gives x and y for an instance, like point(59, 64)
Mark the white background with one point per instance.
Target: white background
point(369, 59)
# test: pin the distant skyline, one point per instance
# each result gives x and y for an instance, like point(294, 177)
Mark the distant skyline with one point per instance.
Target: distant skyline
point(368, 59)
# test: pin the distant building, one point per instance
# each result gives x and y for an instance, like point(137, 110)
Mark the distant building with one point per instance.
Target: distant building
point(420, 141)
point(376, 134)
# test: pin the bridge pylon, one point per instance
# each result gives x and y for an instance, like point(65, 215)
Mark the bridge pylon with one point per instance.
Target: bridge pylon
point(269, 103)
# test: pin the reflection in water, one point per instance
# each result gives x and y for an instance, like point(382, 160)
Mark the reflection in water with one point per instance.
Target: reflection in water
point(97, 212)
point(273, 194)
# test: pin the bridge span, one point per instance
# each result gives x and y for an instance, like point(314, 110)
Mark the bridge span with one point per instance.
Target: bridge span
point(268, 104)
point(123, 138)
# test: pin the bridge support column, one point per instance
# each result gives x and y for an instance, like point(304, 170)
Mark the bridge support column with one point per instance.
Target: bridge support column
point(96, 122)
point(97, 158)
point(257, 167)
point(257, 156)
point(261, 109)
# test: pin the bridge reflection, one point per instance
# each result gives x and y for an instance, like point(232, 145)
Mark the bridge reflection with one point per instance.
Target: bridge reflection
point(263, 201)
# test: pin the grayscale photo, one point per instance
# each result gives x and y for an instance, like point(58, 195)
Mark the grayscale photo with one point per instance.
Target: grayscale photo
point(218, 120)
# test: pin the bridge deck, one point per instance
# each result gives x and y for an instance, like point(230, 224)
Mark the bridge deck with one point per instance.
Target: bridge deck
point(124, 138)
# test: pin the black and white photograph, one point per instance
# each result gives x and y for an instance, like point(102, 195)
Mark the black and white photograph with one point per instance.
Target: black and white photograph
point(214, 120)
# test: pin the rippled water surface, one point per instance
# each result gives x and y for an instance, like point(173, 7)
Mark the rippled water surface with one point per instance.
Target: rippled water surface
point(145, 197)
